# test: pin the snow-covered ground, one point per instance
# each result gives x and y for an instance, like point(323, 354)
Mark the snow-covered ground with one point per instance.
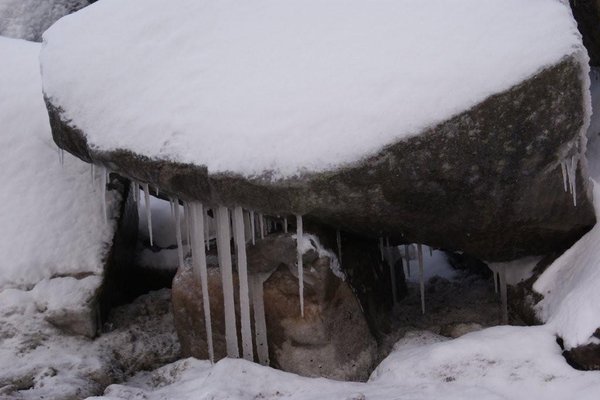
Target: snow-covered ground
point(496, 363)
point(217, 83)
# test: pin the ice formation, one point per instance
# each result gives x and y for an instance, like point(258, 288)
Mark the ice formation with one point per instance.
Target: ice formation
point(285, 225)
point(421, 276)
point(261, 225)
point(242, 264)
point(148, 211)
point(260, 324)
point(206, 230)
point(392, 269)
point(568, 168)
point(300, 268)
point(200, 270)
point(338, 239)
point(176, 211)
point(103, 174)
point(503, 294)
point(252, 227)
point(407, 258)
point(224, 254)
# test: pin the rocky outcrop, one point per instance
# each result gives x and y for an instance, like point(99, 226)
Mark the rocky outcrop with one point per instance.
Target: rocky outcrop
point(331, 340)
point(587, 14)
point(450, 187)
point(587, 357)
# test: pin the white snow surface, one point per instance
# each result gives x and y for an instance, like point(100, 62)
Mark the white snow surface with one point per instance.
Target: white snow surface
point(496, 363)
point(283, 87)
point(51, 223)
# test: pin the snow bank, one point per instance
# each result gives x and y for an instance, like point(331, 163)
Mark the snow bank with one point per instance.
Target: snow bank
point(51, 219)
point(28, 19)
point(289, 86)
point(496, 363)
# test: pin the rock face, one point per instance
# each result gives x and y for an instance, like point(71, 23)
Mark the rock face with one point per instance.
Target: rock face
point(587, 14)
point(448, 187)
point(28, 19)
point(332, 340)
point(586, 357)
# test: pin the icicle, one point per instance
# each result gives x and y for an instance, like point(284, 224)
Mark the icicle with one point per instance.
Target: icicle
point(563, 168)
point(495, 281)
point(134, 191)
point(186, 217)
point(62, 157)
point(172, 205)
point(260, 323)
point(242, 264)
point(176, 211)
point(407, 256)
point(206, 231)
point(381, 248)
point(92, 173)
point(285, 228)
point(103, 190)
point(574, 180)
point(299, 234)
point(430, 251)
point(503, 294)
point(421, 277)
point(156, 190)
point(253, 229)
point(200, 270)
point(338, 237)
point(224, 254)
point(261, 225)
point(148, 211)
point(392, 269)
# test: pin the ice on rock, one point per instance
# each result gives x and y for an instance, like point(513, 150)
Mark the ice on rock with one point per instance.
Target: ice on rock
point(224, 255)
point(253, 227)
point(299, 233)
point(260, 323)
point(261, 225)
point(148, 211)
point(242, 264)
point(421, 277)
point(176, 212)
point(200, 268)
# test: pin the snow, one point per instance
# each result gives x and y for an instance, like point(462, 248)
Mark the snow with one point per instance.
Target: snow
point(496, 363)
point(28, 19)
point(52, 222)
point(311, 242)
point(210, 83)
point(435, 263)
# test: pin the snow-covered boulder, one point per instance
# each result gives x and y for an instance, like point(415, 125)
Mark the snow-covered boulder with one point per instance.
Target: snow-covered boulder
point(28, 19)
point(409, 119)
point(332, 339)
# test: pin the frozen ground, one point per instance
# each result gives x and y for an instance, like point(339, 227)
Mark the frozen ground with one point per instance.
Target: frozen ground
point(216, 83)
point(496, 363)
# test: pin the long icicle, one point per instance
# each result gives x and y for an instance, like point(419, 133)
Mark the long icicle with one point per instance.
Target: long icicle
point(285, 227)
point(503, 294)
point(407, 257)
point(224, 255)
point(299, 239)
point(92, 173)
point(421, 277)
point(148, 211)
point(206, 230)
point(186, 218)
point(495, 281)
point(574, 179)
point(200, 269)
point(260, 323)
point(242, 264)
point(176, 212)
point(392, 269)
point(563, 168)
point(103, 179)
point(253, 227)
point(134, 191)
point(261, 225)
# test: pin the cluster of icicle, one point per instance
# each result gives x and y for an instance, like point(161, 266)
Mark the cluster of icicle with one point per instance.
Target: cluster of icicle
point(387, 254)
point(229, 223)
point(569, 174)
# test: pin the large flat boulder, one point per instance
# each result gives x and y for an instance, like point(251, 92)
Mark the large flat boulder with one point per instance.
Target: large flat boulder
point(466, 156)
